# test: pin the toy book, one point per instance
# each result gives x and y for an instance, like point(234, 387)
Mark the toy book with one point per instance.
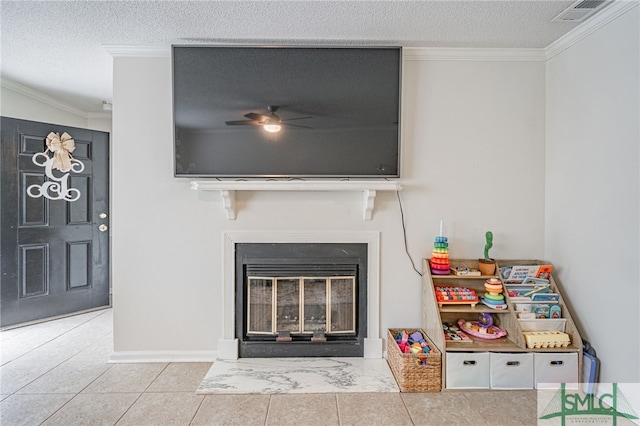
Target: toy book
point(545, 297)
point(516, 274)
point(522, 293)
point(539, 310)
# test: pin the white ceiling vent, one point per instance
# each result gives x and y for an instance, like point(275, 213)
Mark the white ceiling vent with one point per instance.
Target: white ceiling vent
point(581, 10)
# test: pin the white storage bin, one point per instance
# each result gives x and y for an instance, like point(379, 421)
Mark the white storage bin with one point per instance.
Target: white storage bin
point(467, 370)
point(551, 324)
point(511, 370)
point(553, 368)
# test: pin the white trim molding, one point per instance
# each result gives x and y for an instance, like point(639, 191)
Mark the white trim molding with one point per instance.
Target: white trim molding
point(124, 50)
point(597, 21)
point(41, 97)
point(228, 344)
point(409, 53)
point(228, 190)
point(472, 54)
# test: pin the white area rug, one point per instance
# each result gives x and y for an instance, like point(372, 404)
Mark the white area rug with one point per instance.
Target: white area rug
point(298, 375)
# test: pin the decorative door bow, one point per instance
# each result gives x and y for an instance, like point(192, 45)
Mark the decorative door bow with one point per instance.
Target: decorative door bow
point(61, 147)
point(57, 188)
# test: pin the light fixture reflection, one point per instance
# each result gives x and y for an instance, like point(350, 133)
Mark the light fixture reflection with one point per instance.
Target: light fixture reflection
point(272, 128)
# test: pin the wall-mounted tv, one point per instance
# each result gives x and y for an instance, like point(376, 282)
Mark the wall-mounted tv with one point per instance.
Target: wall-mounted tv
point(294, 111)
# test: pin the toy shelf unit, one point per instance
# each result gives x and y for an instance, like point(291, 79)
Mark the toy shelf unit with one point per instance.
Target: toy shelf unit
point(506, 362)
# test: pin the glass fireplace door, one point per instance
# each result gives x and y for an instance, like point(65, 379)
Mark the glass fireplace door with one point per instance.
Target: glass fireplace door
point(342, 305)
point(315, 305)
point(260, 307)
point(288, 305)
point(301, 305)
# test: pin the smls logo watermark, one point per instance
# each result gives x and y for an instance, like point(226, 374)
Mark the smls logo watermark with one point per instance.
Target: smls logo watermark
point(580, 408)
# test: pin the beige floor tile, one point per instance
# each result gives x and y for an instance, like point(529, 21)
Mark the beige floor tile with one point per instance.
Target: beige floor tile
point(93, 409)
point(303, 409)
point(18, 410)
point(80, 329)
point(76, 373)
point(19, 373)
point(18, 341)
point(162, 409)
point(372, 409)
point(441, 408)
point(241, 410)
point(126, 378)
point(98, 352)
point(516, 407)
point(68, 377)
point(180, 377)
point(13, 332)
point(15, 346)
point(84, 335)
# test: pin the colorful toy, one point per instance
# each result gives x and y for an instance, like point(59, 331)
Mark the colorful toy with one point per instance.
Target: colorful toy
point(453, 334)
point(485, 320)
point(546, 339)
point(494, 298)
point(486, 264)
point(476, 329)
point(488, 244)
point(414, 343)
point(440, 255)
point(455, 295)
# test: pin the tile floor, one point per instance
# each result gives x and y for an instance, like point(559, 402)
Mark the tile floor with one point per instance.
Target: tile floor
point(56, 373)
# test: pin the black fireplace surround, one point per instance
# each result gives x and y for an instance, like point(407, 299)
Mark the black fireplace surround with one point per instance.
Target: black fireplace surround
point(301, 260)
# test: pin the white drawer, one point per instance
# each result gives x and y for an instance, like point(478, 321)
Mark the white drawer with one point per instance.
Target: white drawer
point(467, 370)
point(511, 370)
point(553, 368)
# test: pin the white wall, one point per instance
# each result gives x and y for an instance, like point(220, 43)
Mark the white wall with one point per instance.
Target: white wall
point(99, 121)
point(467, 126)
point(592, 189)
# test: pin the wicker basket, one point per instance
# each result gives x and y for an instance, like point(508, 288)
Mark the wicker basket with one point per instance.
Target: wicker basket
point(411, 375)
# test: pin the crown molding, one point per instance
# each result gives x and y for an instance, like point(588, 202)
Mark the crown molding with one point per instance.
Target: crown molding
point(41, 97)
point(410, 53)
point(472, 54)
point(121, 50)
point(599, 20)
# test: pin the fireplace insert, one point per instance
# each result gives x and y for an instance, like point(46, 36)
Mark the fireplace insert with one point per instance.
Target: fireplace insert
point(301, 299)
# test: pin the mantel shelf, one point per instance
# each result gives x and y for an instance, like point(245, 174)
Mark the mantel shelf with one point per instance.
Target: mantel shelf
point(228, 189)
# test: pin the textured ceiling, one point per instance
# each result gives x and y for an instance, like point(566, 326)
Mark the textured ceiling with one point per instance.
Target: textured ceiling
point(58, 47)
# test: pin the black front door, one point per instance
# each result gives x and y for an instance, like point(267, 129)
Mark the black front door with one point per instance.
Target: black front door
point(55, 252)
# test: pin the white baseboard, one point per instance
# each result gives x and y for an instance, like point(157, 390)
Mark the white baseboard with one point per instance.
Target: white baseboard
point(372, 350)
point(121, 357)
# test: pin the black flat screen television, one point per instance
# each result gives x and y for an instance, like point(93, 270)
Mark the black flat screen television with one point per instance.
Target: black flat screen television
point(295, 111)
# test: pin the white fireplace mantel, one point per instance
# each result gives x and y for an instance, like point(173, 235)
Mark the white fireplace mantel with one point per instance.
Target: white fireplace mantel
point(228, 190)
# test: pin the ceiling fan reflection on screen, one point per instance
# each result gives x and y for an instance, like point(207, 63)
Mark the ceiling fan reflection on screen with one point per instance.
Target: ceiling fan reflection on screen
point(271, 123)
